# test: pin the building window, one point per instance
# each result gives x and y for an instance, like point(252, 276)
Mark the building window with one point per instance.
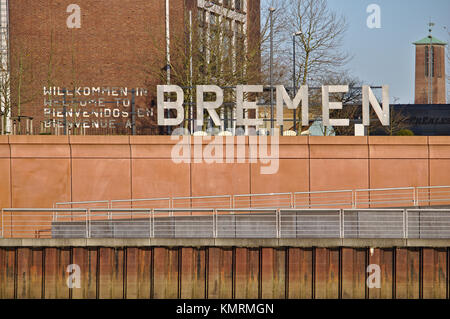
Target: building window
point(237, 5)
point(213, 19)
point(201, 17)
point(427, 61)
point(239, 27)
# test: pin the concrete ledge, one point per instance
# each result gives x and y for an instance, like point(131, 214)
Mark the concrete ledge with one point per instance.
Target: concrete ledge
point(224, 242)
point(313, 242)
point(428, 242)
point(246, 242)
point(375, 242)
point(177, 242)
point(118, 242)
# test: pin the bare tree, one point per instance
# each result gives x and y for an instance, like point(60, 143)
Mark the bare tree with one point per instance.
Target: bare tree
point(282, 67)
point(17, 85)
point(210, 49)
point(351, 101)
point(319, 53)
point(321, 39)
point(397, 122)
point(5, 97)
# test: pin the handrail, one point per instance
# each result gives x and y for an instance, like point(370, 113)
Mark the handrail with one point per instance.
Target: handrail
point(353, 200)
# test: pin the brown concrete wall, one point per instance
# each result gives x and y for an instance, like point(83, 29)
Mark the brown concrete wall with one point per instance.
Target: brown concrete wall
point(224, 272)
point(37, 171)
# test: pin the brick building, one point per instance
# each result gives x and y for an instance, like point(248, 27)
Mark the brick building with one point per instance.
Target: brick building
point(430, 71)
point(105, 49)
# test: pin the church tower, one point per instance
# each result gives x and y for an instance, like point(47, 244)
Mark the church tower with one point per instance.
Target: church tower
point(430, 71)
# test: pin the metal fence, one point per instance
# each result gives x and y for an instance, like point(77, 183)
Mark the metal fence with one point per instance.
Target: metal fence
point(310, 223)
point(224, 223)
point(335, 199)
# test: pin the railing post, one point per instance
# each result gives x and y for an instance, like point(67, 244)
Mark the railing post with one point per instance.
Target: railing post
point(153, 223)
point(405, 218)
point(341, 223)
point(292, 200)
point(3, 229)
point(277, 218)
point(88, 224)
point(354, 204)
point(416, 196)
point(214, 223)
point(405, 231)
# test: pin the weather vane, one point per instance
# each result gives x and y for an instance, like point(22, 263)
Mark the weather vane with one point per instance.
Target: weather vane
point(431, 25)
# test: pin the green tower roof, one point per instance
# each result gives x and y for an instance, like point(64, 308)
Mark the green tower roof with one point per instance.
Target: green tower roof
point(426, 40)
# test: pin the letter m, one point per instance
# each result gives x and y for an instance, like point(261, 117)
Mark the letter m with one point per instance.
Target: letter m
point(283, 97)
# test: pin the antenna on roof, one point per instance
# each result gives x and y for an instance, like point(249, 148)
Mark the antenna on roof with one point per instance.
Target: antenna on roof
point(430, 25)
point(430, 58)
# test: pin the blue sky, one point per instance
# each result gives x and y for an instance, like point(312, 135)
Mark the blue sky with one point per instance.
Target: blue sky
point(386, 55)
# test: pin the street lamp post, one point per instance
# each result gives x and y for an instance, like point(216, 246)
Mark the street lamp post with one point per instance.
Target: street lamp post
point(271, 10)
point(294, 86)
point(168, 66)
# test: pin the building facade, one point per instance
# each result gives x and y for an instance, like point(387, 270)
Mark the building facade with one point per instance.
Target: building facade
point(98, 62)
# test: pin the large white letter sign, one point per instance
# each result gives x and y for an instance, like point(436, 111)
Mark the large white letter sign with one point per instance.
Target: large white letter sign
point(370, 99)
point(283, 97)
point(163, 105)
point(74, 20)
point(241, 104)
point(327, 105)
point(209, 106)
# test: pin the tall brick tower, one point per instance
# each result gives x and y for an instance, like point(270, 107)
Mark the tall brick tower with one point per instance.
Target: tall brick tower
point(430, 71)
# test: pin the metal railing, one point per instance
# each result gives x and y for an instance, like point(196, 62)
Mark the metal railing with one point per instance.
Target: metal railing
point(374, 223)
point(247, 223)
point(432, 195)
point(310, 223)
point(270, 200)
point(220, 201)
point(41, 222)
point(224, 223)
point(142, 203)
point(335, 199)
point(379, 197)
point(427, 223)
point(84, 204)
